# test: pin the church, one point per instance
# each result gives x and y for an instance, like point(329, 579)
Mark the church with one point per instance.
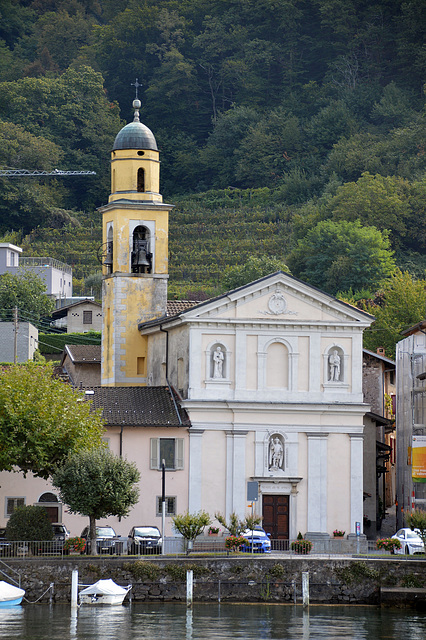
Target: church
point(260, 385)
point(269, 375)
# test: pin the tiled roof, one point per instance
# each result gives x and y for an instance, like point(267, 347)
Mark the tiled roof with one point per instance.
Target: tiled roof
point(174, 307)
point(138, 407)
point(84, 352)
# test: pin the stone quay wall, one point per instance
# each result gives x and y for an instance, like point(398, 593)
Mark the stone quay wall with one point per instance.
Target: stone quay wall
point(229, 579)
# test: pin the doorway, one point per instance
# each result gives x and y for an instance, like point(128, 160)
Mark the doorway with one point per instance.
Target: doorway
point(275, 511)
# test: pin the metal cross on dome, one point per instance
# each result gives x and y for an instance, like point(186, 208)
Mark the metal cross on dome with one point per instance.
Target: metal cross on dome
point(136, 85)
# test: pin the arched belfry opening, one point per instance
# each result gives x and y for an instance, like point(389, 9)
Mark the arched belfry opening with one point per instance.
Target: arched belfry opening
point(141, 180)
point(141, 253)
point(108, 262)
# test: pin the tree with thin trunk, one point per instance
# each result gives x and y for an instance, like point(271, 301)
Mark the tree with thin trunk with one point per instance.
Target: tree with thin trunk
point(97, 484)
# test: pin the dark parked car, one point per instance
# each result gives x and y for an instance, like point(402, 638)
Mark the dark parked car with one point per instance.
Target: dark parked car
point(60, 534)
point(106, 539)
point(144, 539)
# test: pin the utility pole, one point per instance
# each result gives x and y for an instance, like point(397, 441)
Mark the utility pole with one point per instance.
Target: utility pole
point(15, 338)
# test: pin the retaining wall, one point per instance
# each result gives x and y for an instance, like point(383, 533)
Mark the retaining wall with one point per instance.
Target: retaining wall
point(230, 579)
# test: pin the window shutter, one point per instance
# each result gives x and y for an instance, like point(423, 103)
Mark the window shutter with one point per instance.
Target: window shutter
point(179, 453)
point(154, 453)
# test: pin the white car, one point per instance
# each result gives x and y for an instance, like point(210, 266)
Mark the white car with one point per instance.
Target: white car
point(410, 541)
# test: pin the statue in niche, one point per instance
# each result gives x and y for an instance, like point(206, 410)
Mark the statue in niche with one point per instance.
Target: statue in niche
point(276, 454)
point(218, 360)
point(334, 365)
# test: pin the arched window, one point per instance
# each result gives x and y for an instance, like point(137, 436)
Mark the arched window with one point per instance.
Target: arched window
point(141, 180)
point(277, 366)
point(48, 497)
point(141, 255)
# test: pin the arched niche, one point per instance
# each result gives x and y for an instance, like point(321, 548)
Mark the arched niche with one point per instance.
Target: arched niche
point(218, 362)
point(335, 365)
point(277, 365)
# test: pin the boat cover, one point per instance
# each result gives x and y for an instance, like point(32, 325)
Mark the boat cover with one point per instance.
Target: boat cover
point(9, 591)
point(105, 588)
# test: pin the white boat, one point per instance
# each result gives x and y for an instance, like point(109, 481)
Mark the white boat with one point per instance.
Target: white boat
point(104, 592)
point(10, 595)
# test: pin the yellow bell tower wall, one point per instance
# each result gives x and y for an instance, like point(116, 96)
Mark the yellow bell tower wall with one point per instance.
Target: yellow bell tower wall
point(135, 255)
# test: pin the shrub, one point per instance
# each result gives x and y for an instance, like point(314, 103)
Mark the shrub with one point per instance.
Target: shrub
point(29, 523)
point(75, 544)
point(233, 543)
point(301, 546)
point(389, 544)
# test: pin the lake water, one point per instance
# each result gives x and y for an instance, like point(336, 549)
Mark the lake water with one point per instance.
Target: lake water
point(155, 621)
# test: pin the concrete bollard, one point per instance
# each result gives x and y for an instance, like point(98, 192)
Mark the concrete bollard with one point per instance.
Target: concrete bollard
point(74, 589)
point(189, 588)
point(305, 589)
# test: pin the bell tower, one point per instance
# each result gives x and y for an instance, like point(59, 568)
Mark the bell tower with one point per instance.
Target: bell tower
point(134, 254)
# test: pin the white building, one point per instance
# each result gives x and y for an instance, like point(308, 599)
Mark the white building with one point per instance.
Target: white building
point(56, 275)
point(17, 342)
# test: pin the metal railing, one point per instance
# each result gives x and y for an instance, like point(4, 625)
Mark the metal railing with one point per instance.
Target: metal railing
point(45, 262)
point(176, 546)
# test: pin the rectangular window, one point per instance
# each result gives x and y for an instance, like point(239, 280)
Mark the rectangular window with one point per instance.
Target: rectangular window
point(87, 317)
point(170, 506)
point(168, 449)
point(12, 504)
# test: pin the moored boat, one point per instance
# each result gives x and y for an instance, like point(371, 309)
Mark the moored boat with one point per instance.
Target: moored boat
point(10, 595)
point(104, 592)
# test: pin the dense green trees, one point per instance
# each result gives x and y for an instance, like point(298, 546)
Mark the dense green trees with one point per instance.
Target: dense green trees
point(317, 105)
point(337, 256)
point(400, 304)
point(26, 292)
point(256, 267)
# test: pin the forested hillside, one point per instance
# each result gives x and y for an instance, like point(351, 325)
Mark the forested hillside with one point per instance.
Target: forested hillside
point(293, 129)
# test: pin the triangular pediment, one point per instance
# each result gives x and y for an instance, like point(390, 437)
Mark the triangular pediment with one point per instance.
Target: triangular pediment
point(279, 298)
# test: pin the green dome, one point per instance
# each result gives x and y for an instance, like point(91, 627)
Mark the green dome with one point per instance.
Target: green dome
point(135, 135)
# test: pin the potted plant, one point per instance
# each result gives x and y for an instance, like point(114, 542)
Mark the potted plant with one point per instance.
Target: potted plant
point(75, 545)
point(213, 531)
point(337, 533)
point(233, 543)
point(301, 545)
point(388, 544)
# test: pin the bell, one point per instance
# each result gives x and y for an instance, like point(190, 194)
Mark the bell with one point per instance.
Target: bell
point(141, 259)
point(108, 256)
point(140, 255)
